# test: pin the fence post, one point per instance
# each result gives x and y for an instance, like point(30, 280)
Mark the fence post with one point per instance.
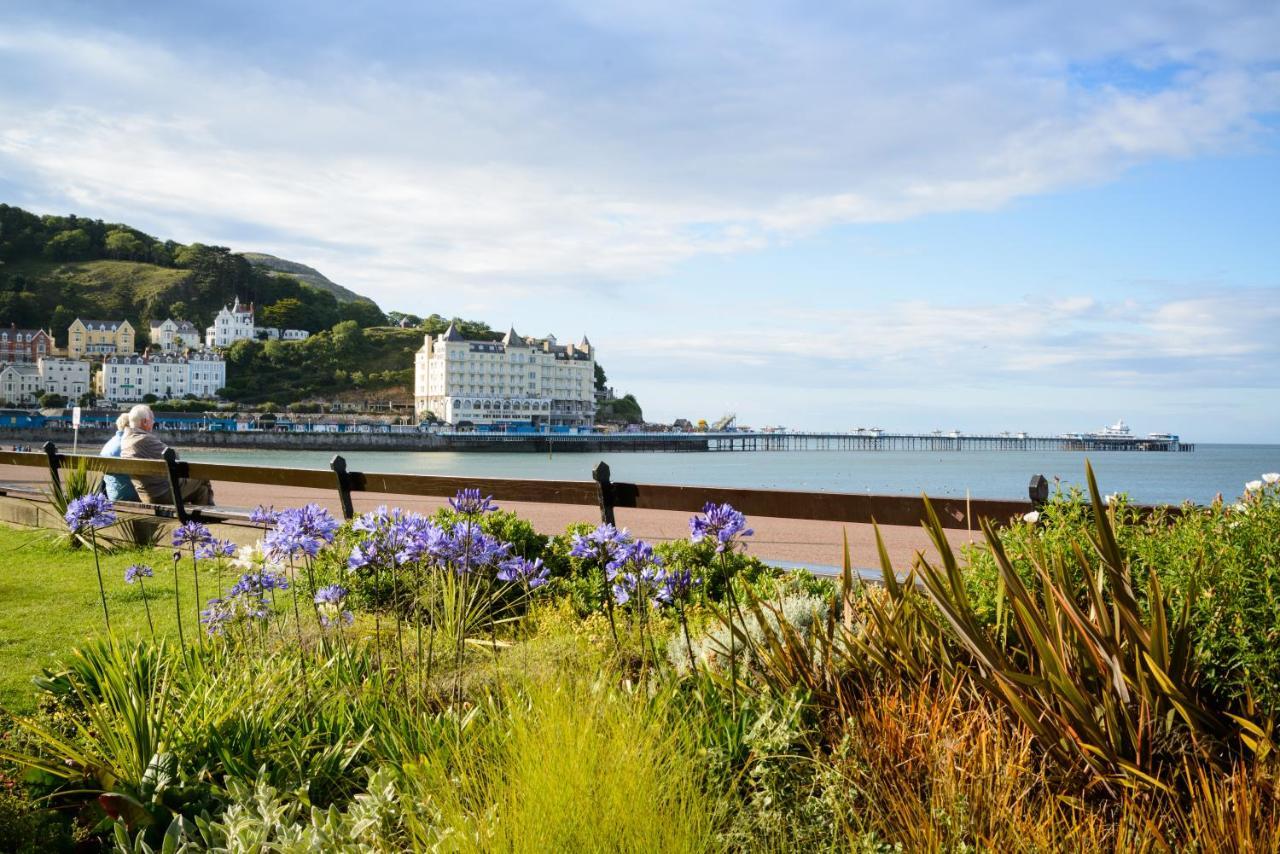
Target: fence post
point(175, 484)
point(51, 451)
point(1038, 490)
point(604, 489)
point(339, 466)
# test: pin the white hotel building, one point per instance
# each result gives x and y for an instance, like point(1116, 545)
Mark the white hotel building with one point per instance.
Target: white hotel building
point(235, 323)
point(166, 375)
point(515, 381)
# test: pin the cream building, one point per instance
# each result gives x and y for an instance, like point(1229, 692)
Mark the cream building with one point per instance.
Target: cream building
point(174, 335)
point(515, 381)
point(166, 375)
point(99, 338)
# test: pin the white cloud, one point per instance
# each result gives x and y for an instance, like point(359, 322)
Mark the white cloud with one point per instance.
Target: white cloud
point(738, 129)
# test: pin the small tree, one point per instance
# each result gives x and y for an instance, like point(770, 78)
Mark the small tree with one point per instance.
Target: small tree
point(52, 400)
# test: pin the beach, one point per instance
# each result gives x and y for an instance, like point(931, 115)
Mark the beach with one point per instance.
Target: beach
point(798, 541)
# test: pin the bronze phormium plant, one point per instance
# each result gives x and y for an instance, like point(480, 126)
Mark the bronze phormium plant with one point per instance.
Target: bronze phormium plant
point(1106, 683)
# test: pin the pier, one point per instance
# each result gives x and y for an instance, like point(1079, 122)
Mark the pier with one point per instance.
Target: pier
point(301, 438)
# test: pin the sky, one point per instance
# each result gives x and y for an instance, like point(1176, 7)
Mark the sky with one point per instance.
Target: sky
point(980, 216)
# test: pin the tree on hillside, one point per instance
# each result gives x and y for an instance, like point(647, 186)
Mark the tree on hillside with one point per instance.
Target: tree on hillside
point(73, 245)
point(364, 312)
point(61, 318)
point(601, 379)
point(288, 313)
point(123, 245)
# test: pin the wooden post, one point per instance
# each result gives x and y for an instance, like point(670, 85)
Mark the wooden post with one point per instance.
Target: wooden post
point(604, 489)
point(1038, 490)
point(51, 451)
point(176, 471)
point(339, 466)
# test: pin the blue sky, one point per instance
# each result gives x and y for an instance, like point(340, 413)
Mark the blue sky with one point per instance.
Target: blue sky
point(980, 216)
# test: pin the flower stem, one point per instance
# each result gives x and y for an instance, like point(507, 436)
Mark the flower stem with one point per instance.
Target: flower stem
point(147, 605)
point(102, 591)
point(177, 604)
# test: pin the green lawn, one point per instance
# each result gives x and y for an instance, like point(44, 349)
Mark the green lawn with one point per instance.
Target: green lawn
point(49, 603)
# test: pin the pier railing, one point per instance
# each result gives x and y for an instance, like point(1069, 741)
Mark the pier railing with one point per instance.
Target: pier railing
point(601, 491)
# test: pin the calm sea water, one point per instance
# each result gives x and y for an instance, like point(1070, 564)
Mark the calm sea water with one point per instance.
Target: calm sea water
point(1147, 477)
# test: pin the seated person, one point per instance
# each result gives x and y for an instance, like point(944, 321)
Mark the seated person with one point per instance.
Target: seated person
point(118, 486)
point(139, 443)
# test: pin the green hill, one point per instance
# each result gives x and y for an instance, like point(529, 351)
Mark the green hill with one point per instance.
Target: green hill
point(303, 273)
point(54, 268)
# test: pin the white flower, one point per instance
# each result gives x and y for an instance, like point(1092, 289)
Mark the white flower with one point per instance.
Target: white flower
point(1271, 477)
point(1110, 498)
point(1032, 517)
point(1253, 486)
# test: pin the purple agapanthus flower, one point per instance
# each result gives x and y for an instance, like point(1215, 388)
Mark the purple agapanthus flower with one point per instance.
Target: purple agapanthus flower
point(603, 545)
point(215, 548)
point(330, 602)
point(217, 615)
point(529, 573)
point(720, 523)
point(473, 550)
point(678, 586)
point(266, 516)
point(392, 535)
point(259, 583)
point(470, 503)
point(136, 571)
point(633, 556)
point(91, 511)
point(644, 585)
point(192, 534)
point(300, 531)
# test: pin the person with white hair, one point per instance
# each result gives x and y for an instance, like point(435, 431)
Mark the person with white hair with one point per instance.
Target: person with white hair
point(118, 486)
point(140, 443)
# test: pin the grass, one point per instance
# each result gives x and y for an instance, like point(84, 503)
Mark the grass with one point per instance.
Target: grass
point(99, 278)
point(50, 596)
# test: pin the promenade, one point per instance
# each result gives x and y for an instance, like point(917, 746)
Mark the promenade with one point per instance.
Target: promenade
point(808, 542)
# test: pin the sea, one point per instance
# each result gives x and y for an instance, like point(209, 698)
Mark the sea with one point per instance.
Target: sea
point(1149, 478)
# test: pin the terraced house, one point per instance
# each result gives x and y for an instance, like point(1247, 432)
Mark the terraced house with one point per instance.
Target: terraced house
point(172, 335)
point(24, 345)
point(517, 381)
point(165, 375)
point(99, 338)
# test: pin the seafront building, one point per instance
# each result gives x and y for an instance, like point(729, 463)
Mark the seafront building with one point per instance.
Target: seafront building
point(98, 338)
point(517, 381)
point(67, 377)
point(166, 375)
point(24, 345)
point(174, 335)
point(22, 383)
point(235, 323)
point(19, 383)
